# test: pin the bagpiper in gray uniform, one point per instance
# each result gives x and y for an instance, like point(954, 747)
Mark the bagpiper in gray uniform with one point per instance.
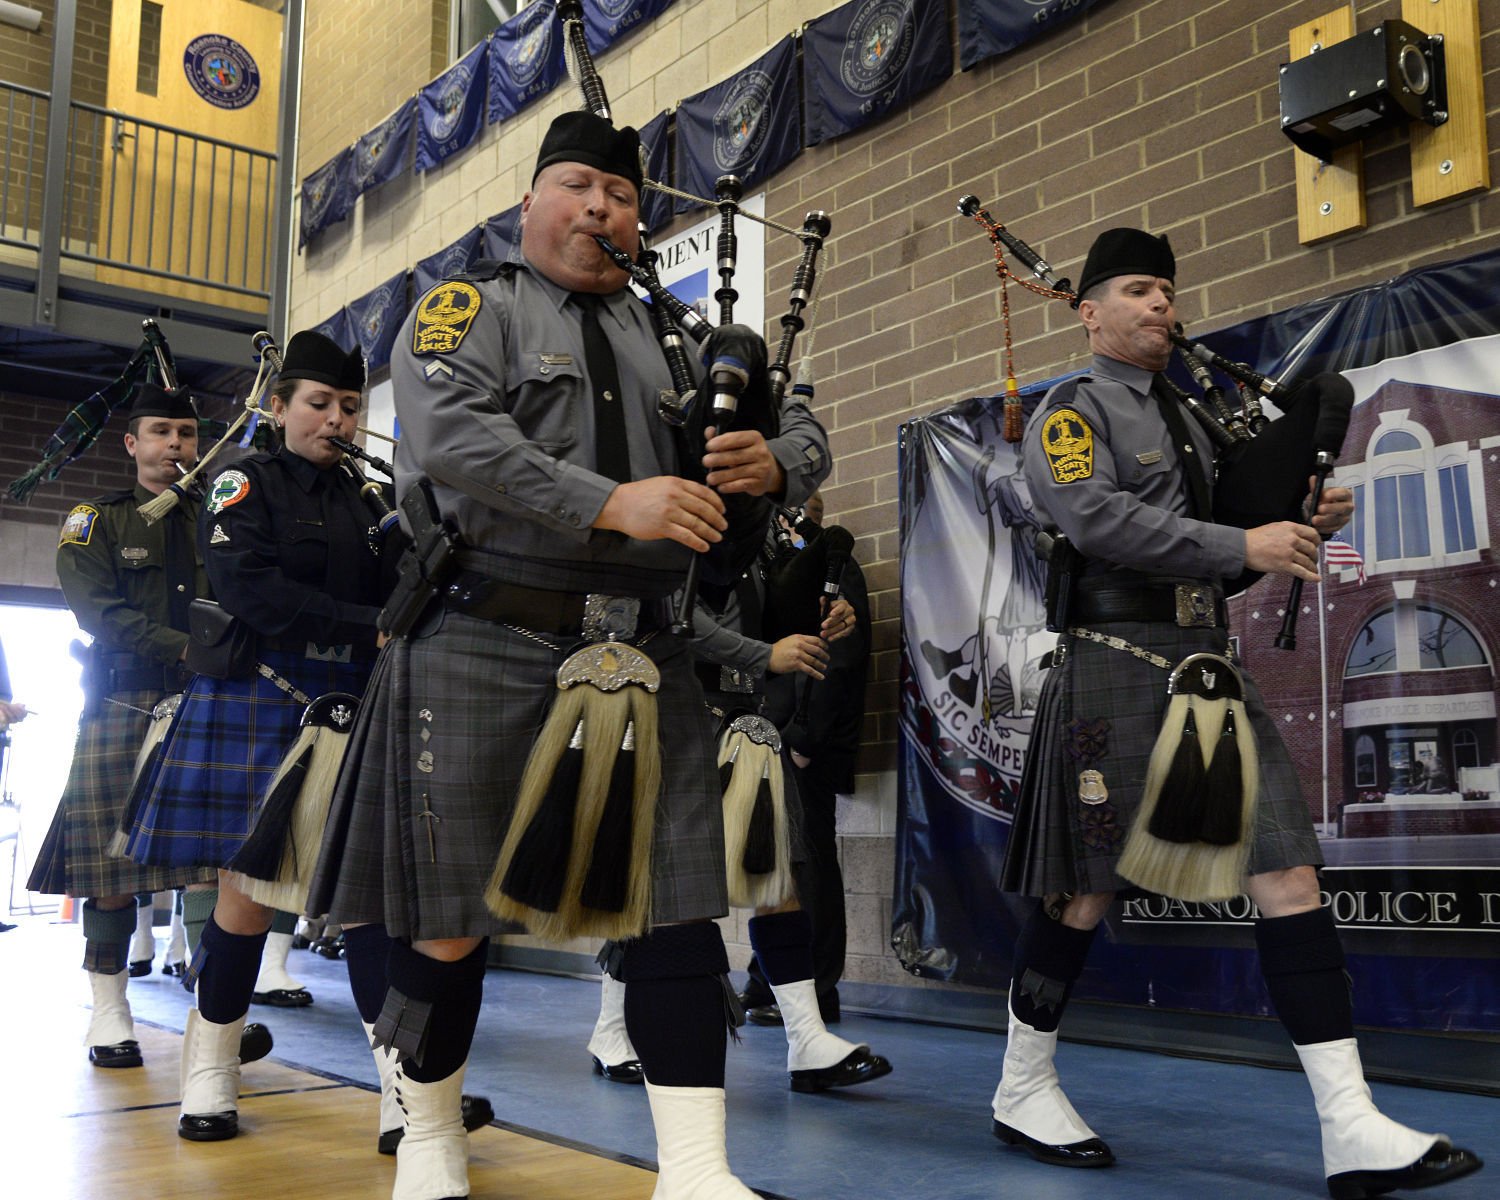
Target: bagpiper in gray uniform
point(1113, 463)
point(497, 411)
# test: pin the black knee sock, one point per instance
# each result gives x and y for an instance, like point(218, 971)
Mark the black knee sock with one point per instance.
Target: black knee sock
point(783, 946)
point(283, 922)
point(1049, 958)
point(1302, 960)
point(444, 996)
point(367, 949)
point(676, 984)
point(224, 971)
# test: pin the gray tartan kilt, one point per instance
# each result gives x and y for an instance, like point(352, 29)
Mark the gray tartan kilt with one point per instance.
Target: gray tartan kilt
point(74, 859)
point(448, 721)
point(1060, 844)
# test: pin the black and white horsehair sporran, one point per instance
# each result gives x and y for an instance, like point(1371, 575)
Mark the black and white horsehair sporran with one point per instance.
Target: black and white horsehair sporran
point(576, 860)
point(274, 864)
point(757, 837)
point(1191, 838)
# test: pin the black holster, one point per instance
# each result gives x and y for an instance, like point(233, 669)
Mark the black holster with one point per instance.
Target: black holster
point(428, 565)
point(1064, 570)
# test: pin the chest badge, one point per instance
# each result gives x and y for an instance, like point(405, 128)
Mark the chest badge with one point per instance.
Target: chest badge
point(134, 553)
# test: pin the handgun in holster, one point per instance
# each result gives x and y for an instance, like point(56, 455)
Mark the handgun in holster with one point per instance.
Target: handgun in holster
point(427, 565)
point(1064, 568)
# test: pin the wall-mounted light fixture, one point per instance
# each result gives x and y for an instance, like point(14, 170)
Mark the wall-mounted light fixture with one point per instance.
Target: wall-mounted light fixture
point(20, 16)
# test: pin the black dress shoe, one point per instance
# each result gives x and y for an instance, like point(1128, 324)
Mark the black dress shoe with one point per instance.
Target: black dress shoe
point(764, 1014)
point(859, 1067)
point(477, 1111)
point(299, 942)
point(177, 969)
point(208, 1127)
point(1091, 1152)
point(1444, 1162)
point(255, 1043)
point(629, 1071)
point(121, 1054)
point(137, 969)
point(328, 947)
point(283, 998)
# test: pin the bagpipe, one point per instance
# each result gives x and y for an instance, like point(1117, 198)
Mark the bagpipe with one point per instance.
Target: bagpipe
point(576, 859)
point(151, 360)
point(1191, 837)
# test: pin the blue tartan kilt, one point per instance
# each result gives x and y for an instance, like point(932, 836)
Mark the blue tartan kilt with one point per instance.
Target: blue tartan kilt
point(224, 746)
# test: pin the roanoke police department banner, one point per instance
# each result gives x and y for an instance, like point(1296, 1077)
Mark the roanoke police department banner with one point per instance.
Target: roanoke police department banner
point(1388, 704)
point(990, 27)
point(526, 59)
point(656, 207)
point(748, 126)
point(376, 316)
point(327, 197)
point(606, 20)
point(453, 259)
point(384, 152)
point(869, 57)
point(450, 109)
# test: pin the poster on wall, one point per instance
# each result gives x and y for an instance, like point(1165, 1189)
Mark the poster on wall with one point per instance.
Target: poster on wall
point(688, 265)
point(1387, 704)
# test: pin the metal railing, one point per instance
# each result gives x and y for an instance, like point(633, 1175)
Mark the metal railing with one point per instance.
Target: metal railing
point(142, 197)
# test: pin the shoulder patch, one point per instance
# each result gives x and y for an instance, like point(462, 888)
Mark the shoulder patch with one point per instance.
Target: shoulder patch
point(1069, 445)
point(444, 317)
point(79, 526)
point(229, 488)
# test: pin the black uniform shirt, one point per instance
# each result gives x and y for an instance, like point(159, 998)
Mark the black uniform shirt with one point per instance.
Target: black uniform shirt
point(287, 550)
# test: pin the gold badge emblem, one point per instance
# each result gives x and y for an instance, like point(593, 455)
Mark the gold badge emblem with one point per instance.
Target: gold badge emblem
point(1091, 789)
point(1069, 443)
point(444, 317)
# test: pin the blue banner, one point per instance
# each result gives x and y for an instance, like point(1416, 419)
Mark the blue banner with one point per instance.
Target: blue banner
point(871, 56)
point(656, 207)
point(526, 59)
point(747, 126)
point(451, 260)
point(385, 152)
point(336, 329)
point(605, 21)
point(1395, 730)
point(450, 109)
point(990, 27)
point(502, 236)
point(376, 316)
point(327, 197)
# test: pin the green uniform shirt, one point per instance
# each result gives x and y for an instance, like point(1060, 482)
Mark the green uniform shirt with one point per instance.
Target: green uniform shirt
point(127, 582)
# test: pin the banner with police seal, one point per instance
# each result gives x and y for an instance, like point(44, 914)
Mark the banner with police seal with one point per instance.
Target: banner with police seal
point(990, 27)
point(526, 59)
point(327, 197)
point(450, 109)
point(384, 152)
point(749, 125)
point(453, 259)
point(869, 57)
point(376, 317)
point(606, 21)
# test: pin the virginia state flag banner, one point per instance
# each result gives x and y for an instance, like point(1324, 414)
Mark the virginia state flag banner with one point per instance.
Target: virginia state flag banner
point(384, 152)
point(450, 109)
point(451, 260)
point(604, 21)
point(375, 318)
point(656, 207)
point(327, 197)
point(869, 57)
point(990, 27)
point(746, 126)
point(526, 59)
point(502, 236)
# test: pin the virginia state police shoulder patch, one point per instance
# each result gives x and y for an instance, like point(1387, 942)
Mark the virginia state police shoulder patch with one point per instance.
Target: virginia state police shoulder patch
point(444, 316)
point(1069, 444)
point(79, 526)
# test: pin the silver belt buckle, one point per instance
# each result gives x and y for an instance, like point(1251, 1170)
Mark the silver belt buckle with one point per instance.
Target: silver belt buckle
point(610, 618)
point(732, 679)
point(1195, 607)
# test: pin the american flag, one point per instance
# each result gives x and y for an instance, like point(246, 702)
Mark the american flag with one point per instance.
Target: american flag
point(1339, 553)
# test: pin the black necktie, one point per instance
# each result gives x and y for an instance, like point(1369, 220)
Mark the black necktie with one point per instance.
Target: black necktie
point(611, 448)
point(1199, 505)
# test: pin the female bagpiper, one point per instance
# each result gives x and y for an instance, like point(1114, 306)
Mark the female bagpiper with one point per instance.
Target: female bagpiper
point(285, 536)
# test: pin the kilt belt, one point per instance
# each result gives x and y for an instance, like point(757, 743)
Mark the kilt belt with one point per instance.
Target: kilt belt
point(1186, 605)
point(566, 614)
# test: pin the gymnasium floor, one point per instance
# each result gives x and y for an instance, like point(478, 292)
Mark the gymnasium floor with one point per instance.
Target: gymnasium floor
point(1180, 1128)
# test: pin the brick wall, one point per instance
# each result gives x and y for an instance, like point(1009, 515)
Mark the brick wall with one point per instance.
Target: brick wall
point(1145, 112)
